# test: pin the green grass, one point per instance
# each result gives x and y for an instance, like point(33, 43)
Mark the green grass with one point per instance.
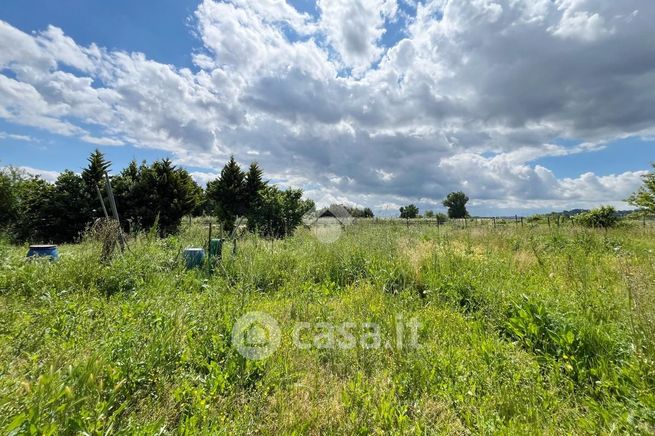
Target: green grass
point(523, 330)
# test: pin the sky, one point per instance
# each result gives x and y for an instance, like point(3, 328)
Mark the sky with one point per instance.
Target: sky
point(525, 105)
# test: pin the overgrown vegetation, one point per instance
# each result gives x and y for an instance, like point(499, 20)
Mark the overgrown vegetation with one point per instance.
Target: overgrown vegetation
point(523, 330)
point(602, 218)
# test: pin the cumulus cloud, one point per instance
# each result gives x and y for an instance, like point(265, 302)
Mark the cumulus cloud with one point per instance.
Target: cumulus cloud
point(47, 175)
point(472, 94)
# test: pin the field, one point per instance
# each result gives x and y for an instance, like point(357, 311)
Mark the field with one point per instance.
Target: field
point(520, 330)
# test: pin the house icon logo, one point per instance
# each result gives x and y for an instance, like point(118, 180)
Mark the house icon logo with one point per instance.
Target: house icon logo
point(256, 335)
point(328, 224)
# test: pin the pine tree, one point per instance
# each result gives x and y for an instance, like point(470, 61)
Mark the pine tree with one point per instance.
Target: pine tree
point(228, 194)
point(93, 176)
point(254, 190)
point(254, 183)
point(94, 173)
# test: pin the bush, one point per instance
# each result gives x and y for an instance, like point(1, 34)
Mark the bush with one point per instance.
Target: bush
point(602, 217)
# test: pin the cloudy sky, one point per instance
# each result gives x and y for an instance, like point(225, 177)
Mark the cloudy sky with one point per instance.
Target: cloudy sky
point(526, 105)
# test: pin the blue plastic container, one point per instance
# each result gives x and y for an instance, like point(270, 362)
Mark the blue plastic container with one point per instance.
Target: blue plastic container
point(49, 251)
point(193, 257)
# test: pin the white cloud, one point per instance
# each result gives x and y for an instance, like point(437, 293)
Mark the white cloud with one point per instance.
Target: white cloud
point(472, 95)
point(27, 138)
point(49, 176)
point(354, 27)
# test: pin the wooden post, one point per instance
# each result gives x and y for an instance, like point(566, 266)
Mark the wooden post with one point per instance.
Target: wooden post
point(494, 221)
point(114, 211)
point(102, 202)
point(516, 220)
point(209, 245)
point(548, 217)
point(521, 221)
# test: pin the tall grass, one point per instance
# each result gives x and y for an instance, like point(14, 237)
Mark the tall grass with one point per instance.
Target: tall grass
point(523, 330)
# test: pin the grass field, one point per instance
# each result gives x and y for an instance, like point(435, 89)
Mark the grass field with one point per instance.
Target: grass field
point(521, 330)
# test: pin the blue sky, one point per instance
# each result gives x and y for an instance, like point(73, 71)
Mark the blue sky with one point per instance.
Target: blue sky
point(366, 102)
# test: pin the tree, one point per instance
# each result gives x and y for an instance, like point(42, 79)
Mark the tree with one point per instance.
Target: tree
point(644, 198)
point(441, 218)
point(409, 211)
point(33, 212)
point(67, 208)
point(280, 212)
point(356, 212)
point(93, 176)
point(429, 214)
point(9, 178)
point(160, 193)
point(254, 186)
point(456, 204)
point(227, 194)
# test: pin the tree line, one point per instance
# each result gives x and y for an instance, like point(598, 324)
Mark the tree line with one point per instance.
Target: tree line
point(455, 202)
point(148, 195)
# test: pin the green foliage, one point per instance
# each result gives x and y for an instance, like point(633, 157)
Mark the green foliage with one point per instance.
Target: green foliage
point(521, 331)
point(644, 198)
point(278, 213)
point(9, 178)
point(357, 212)
point(228, 194)
point(94, 179)
point(456, 204)
point(409, 212)
point(602, 217)
point(270, 211)
point(157, 194)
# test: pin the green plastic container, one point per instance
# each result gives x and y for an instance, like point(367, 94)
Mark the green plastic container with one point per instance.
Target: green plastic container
point(216, 249)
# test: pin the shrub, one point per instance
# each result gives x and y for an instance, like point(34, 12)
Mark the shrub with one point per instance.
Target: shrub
point(602, 217)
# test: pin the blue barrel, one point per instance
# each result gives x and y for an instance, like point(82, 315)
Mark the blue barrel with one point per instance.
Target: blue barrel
point(49, 251)
point(193, 257)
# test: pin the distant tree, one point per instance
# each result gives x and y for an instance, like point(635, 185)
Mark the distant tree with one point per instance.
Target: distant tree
point(227, 194)
point(356, 212)
point(441, 218)
point(409, 211)
point(456, 204)
point(602, 217)
point(429, 214)
point(644, 198)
